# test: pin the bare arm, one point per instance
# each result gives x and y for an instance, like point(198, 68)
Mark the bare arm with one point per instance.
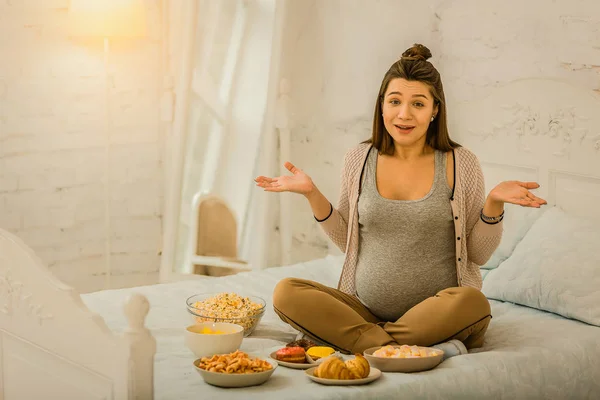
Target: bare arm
point(333, 221)
point(321, 207)
point(299, 182)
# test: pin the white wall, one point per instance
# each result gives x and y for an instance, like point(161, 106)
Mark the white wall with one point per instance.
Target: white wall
point(337, 51)
point(486, 44)
point(52, 137)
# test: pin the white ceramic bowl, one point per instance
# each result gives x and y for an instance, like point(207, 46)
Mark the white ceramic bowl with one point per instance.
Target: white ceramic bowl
point(205, 345)
point(416, 364)
point(236, 380)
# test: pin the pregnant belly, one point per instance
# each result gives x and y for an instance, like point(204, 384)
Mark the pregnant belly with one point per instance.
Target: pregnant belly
point(389, 295)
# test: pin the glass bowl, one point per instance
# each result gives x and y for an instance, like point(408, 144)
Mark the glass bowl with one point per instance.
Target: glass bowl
point(246, 311)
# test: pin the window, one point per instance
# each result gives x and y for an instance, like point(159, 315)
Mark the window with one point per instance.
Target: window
point(217, 43)
point(235, 44)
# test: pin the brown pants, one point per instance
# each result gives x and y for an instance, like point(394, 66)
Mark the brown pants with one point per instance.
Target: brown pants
point(343, 322)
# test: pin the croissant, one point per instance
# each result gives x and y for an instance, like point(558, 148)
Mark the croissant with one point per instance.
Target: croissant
point(359, 366)
point(334, 368)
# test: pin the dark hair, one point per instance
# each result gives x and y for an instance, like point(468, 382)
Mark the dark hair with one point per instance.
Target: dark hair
point(413, 66)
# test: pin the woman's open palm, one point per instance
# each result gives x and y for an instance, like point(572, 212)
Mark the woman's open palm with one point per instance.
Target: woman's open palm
point(298, 182)
point(517, 192)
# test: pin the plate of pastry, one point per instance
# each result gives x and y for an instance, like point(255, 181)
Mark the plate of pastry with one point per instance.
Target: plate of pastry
point(301, 354)
point(292, 357)
point(404, 358)
point(336, 372)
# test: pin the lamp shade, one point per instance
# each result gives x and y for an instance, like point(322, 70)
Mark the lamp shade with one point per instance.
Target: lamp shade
point(107, 18)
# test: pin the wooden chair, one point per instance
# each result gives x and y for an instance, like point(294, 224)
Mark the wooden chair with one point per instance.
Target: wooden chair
point(214, 238)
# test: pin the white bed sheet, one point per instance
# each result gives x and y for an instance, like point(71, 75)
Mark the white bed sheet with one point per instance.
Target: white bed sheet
point(528, 354)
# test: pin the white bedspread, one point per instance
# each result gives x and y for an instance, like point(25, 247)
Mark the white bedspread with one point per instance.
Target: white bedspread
point(528, 354)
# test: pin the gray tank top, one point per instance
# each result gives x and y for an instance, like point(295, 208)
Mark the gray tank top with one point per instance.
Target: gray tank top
point(406, 247)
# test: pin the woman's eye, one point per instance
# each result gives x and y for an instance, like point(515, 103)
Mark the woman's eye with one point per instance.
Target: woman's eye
point(395, 102)
point(419, 104)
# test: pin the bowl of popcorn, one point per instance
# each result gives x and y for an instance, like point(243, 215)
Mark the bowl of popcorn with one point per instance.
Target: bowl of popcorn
point(403, 358)
point(245, 311)
point(207, 338)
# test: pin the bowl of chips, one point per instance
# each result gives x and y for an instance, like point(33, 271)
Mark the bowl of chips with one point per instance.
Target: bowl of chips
point(207, 338)
point(245, 311)
point(237, 369)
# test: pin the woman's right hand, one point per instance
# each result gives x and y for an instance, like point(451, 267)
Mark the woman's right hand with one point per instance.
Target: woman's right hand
point(299, 182)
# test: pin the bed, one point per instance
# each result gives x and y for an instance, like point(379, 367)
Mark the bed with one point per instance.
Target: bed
point(543, 341)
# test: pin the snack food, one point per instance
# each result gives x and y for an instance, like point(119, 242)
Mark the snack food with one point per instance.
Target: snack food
point(335, 368)
point(317, 352)
point(291, 354)
point(208, 331)
point(228, 307)
point(359, 366)
point(304, 343)
point(237, 362)
point(404, 351)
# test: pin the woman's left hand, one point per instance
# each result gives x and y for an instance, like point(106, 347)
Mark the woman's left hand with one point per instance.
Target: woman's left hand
point(517, 192)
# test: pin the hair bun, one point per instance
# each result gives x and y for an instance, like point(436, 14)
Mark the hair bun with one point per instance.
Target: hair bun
point(417, 52)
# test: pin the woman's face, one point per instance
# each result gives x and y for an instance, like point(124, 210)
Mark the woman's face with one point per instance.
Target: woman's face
point(407, 110)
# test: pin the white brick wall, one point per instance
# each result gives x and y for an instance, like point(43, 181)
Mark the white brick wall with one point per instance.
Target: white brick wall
point(336, 52)
point(486, 44)
point(52, 145)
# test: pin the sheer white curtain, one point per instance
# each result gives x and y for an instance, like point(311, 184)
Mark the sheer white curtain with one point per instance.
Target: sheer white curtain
point(226, 80)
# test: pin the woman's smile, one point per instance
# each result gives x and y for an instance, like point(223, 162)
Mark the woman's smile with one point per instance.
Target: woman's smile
point(404, 129)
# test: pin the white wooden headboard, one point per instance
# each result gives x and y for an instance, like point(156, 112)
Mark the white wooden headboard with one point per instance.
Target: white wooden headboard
point(52, 346)
point(537, 130)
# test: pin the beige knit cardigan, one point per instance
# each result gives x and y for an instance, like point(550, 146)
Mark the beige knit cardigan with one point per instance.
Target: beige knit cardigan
point(475, 239)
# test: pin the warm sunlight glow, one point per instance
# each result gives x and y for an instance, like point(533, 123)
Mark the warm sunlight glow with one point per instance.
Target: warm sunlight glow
point(107, 18)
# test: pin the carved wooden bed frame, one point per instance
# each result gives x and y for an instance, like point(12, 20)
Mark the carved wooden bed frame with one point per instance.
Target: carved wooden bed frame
point(51, 343)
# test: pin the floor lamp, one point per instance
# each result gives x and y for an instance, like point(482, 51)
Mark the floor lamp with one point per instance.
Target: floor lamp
point(107, 20)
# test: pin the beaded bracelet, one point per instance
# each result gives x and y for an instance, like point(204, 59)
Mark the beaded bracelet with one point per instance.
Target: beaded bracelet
point(491, 220)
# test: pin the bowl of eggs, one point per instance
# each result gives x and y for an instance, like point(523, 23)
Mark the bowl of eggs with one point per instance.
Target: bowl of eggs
point(233, 308)
point(403, 358)
point(208, 338)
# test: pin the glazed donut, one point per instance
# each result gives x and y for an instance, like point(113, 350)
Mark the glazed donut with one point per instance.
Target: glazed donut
point(291, 354)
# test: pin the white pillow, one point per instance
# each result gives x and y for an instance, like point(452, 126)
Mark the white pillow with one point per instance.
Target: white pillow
point(517, 222)
point(484, 273)
point(555, 268)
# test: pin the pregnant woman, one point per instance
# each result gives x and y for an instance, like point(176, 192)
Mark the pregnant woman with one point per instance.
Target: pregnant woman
point(414, 224)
